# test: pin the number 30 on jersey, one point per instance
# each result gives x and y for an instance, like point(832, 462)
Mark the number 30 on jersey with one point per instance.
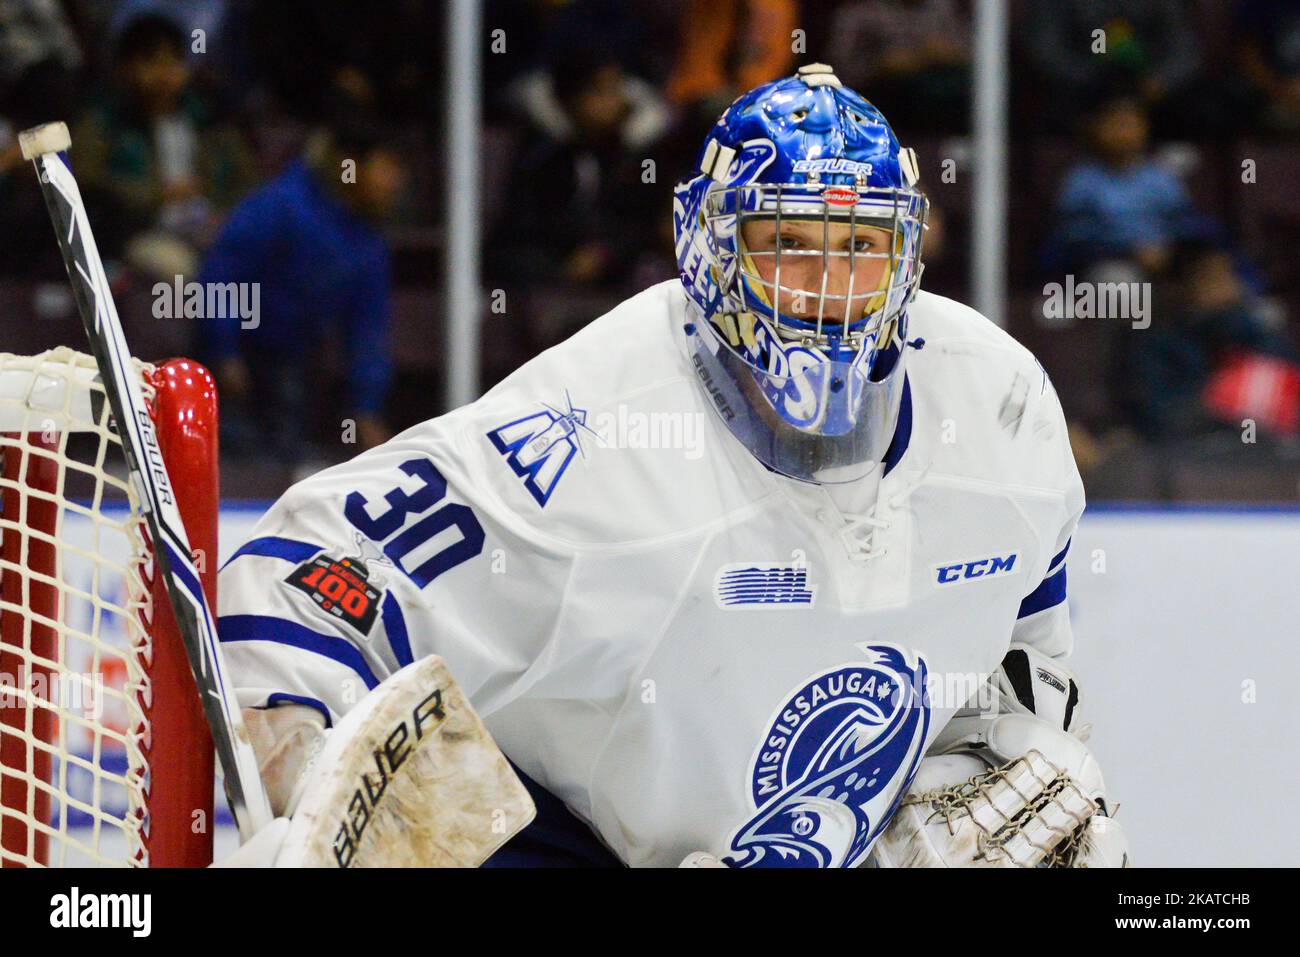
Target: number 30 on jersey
point(410, 516)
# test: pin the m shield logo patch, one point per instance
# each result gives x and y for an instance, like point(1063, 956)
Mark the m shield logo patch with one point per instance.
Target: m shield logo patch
point(540, 446)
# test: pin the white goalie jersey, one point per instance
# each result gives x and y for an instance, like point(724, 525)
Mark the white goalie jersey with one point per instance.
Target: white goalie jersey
point(689, 650)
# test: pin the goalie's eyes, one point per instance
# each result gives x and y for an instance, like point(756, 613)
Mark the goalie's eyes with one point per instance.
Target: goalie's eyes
point(861, 245)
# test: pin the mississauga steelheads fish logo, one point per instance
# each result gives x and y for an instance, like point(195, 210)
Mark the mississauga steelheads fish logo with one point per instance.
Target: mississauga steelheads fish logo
point(835, 760)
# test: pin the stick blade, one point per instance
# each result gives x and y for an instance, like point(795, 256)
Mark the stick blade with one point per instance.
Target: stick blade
point(46, 138)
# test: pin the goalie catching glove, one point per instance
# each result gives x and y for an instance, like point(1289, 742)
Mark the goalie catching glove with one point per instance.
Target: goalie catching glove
point(1015, 790)
point(1040, 805)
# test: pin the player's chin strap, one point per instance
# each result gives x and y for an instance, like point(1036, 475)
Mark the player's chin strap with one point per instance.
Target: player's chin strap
point(1012, 790)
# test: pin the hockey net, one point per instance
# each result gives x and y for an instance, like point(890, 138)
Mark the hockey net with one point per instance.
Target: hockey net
point(105, 759)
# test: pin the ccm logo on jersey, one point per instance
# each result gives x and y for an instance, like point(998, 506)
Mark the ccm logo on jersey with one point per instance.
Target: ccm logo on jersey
point(979, 568)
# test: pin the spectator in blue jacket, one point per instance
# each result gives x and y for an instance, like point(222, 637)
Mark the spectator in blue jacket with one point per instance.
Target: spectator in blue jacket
point(310, 239)
point(1119, 204)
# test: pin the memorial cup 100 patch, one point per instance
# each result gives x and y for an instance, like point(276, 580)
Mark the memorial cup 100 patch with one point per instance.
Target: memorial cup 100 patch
point(340, 587)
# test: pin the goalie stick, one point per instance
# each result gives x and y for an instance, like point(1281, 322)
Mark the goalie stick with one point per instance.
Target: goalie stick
point(46, 147)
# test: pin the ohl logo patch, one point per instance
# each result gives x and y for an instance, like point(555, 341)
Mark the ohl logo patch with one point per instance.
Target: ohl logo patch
point(836, 759)
point(540, 446)
point(751, 585)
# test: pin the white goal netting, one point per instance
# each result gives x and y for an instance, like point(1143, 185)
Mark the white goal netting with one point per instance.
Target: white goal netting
point(74, 622)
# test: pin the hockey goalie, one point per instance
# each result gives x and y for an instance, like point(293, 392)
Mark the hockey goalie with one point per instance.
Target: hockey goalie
point(708, 571)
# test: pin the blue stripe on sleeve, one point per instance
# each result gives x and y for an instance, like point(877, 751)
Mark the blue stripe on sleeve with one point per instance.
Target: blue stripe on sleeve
point(1059, 557)
point(272, 546)
point(231, 628)
point(283, 697)
point(1050, 593)
point(395, 625)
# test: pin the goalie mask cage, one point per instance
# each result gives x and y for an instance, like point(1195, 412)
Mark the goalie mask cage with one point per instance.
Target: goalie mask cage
point(105, 757)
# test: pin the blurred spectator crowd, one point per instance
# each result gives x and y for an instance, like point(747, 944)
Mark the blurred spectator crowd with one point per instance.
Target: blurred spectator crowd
point(299, 146)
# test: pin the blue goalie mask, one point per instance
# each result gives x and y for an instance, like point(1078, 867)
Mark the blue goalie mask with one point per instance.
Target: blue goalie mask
point(799, 246)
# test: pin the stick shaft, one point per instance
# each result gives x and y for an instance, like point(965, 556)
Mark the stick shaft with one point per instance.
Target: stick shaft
point(244, 789)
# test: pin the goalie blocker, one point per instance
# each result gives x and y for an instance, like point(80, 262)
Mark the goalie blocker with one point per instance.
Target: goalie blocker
point(410, 777)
